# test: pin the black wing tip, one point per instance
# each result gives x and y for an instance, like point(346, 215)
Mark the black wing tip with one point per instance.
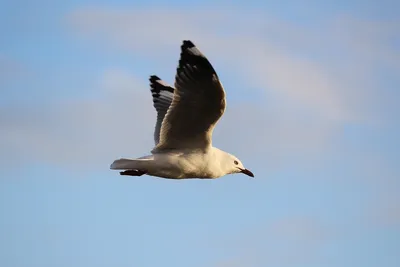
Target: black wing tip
point(153, 83)
point(190, 54)
point(157, 85)
point(187, 44)
point(154, 78)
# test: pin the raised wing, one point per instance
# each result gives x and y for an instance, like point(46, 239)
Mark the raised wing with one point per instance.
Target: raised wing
point(162, 97)
point(198, 103)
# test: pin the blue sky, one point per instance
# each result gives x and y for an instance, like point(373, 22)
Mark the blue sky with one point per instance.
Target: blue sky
point(312, 110)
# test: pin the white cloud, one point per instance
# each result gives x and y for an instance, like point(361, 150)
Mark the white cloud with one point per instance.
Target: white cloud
point(305, 95)
point(293, 62)
point(82, 133)
point(120, 122)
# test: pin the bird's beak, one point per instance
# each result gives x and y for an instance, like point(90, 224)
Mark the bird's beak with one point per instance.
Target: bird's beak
point(247, 172)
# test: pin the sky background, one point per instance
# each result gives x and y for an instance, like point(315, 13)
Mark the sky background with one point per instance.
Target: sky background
point(312, 90)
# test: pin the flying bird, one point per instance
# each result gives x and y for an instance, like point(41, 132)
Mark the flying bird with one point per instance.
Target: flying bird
point(186, 117)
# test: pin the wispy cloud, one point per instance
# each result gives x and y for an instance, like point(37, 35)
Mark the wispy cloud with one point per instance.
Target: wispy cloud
point(312, 81)
point(81, 133)
point(326, 68)
point(120, 122)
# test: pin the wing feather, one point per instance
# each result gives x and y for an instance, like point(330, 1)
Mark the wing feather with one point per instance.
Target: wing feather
point(198, 103)
point(162, 98)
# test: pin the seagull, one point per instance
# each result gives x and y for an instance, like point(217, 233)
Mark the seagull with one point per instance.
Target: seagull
point(186, 117)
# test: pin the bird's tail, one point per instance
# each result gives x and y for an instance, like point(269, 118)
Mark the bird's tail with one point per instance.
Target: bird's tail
point(129, 164)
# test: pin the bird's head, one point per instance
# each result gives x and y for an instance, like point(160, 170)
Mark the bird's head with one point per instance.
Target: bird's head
point(233, 165)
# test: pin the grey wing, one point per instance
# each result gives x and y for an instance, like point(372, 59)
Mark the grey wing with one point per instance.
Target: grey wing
point(198, 103)
point(162, 97)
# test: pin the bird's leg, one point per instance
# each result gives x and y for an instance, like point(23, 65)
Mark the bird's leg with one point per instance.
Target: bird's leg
point(133, 172)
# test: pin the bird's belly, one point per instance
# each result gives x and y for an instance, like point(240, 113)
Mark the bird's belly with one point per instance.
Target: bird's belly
point(173, 173)
point(184, 168)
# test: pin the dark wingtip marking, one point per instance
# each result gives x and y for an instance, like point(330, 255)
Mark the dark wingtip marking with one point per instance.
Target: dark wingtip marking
point(187, 44)
point(157, 86)
point(154, 78)
point(193, 57)
point(153, 81)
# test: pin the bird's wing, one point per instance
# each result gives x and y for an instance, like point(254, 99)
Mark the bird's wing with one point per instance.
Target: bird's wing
point(162, 97)
point(198, 103)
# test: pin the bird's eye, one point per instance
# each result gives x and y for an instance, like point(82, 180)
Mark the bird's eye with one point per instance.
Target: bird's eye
point(236, 162)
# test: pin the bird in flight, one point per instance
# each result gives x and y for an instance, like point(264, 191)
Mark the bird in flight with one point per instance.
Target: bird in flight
point(186, 117)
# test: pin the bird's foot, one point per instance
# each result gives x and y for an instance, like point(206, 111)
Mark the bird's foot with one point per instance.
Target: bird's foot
point(133, 172)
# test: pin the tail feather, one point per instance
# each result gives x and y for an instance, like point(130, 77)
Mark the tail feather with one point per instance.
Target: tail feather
point(121, 164)
point(129, 164)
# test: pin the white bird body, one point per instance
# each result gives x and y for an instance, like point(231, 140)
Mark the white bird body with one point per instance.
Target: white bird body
point(180, 164)
point(186, 117)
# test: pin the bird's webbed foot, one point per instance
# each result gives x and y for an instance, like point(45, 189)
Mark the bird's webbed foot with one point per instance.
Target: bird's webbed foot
point(134, 172)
